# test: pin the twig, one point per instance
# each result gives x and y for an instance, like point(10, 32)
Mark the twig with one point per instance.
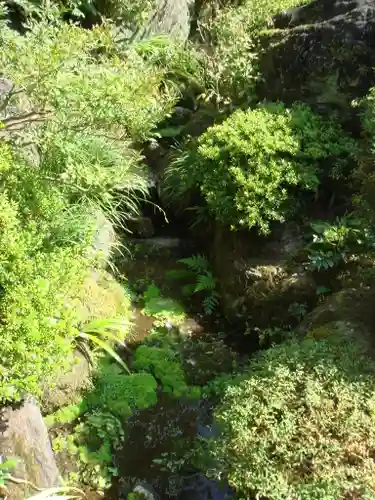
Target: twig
point(16, 480)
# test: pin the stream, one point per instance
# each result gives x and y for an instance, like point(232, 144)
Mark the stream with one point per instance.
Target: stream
point(150, 461)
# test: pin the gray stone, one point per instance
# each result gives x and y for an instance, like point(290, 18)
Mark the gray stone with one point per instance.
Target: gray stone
point(170, 17)
point(145, 492)
point(104, 237)
point(141, 227)
point(162, 242)
point(24, 436)
point(261, 278)
point(190, 327)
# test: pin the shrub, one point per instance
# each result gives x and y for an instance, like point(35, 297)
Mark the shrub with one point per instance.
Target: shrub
point(130, 13)
point(38, 289)
point(247, 167)
point(90, 105)
point(339, 242)
point(300, 422)
point(82, 108)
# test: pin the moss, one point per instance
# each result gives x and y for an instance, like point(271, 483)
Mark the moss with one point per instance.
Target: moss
point(163, 363)
point(66, 415)
point(122, 394)
point(321, 332)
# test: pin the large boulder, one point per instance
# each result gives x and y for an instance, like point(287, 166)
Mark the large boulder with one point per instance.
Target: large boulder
point(24, 436)
point(101, 297)
point(170, 17)
point(322, 53)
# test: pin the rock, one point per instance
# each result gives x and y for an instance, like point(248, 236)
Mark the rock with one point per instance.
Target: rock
point(24, 436)
point(322, 53)
point(170, 17)
point(261, 279)
point(353, 306)
point(104, 237)
point(67, 386)
point(101, 297)
point(162, 243)
point(141, 227)
point(144, 492)
point(190, 327)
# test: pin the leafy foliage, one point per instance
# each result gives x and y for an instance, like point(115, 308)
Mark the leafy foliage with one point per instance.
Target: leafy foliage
point(163, 308)
point(204, 281)
point(300, 422)
point(101, 415)
point(38, 288)
point(6, 467)
point(121, 394)
point(336, 243)
point(103, 333)
point(70, 108)
point(233, 33)
point(247, 167)
point(132, 14)
point(365, 173)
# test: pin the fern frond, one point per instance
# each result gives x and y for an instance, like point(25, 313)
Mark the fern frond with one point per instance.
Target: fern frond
point(210, 302)
point(104, 346)
point(205, 282)
point(198, 263)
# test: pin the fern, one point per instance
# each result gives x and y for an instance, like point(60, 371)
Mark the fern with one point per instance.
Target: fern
point(210, 302)
point(198, 263)
point(203, 280)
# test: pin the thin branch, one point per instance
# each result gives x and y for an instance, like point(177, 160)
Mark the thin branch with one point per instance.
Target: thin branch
point(32, 116)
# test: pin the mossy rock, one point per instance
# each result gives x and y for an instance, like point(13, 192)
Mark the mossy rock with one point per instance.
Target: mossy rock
point(102, 297)
point(346, 312)
point(65, 387)
point(321, 53)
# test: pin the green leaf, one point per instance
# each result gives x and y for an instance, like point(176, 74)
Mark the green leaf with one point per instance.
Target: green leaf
point(106, 347)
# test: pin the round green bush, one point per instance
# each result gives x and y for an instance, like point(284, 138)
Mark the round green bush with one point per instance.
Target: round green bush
point(250, 168)
point(300, 424)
